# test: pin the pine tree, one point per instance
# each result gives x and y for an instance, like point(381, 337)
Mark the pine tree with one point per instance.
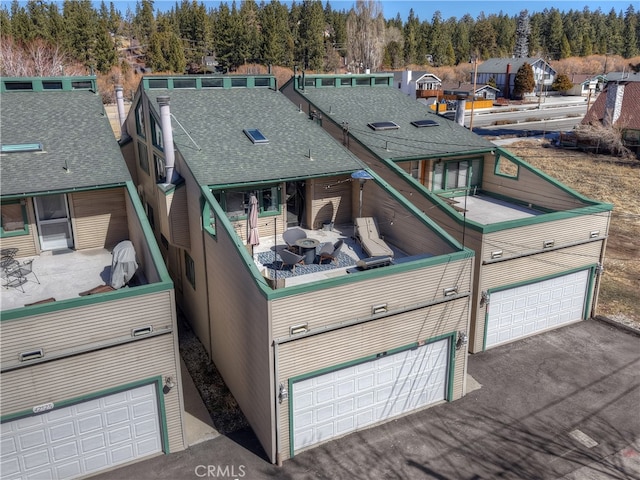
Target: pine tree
point(565, 48)
point(524, 81)
point(105, 53)
point(522, 35)
point(312, 34)
point(562, 83)
point(411, 38)
point(81, 22)
point(630, 29)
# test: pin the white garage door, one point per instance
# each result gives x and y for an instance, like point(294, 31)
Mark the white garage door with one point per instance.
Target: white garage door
point(345, 400)
point(83, 438)
point(524, 310)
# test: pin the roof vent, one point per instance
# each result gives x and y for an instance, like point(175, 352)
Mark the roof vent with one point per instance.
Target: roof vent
point(383, 126)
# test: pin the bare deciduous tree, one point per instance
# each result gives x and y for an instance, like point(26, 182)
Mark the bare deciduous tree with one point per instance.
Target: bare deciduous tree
point(35, 59)
point(366, 34)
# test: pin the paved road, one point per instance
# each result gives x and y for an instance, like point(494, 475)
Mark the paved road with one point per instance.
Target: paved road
point(561, 405)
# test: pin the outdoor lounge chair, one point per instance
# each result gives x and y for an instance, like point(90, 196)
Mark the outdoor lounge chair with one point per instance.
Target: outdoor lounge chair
point(291, 259)
point(291, 235)
point(368, 236)
point(330, 251)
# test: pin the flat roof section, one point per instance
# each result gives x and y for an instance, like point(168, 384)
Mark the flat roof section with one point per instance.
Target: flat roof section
point(487, 210)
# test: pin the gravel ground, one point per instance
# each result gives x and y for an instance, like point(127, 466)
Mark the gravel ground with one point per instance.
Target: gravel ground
point(223, 408)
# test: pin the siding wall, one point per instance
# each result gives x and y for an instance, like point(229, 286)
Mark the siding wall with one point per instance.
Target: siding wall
point(76, 377)
point(28, 245)
point(179, 218)
point(240, 340)
point(528, 188)
point(99, 218)
point(356, 342)
point(331, 201)
point(354, 300)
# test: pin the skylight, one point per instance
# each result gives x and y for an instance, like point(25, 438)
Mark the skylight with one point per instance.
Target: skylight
point(255, 135)
point(21, 147)
point(383, 126)
point(424, 123)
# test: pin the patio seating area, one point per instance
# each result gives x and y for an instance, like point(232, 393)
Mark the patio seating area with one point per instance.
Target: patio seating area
point(57, 275)
point(267, 257)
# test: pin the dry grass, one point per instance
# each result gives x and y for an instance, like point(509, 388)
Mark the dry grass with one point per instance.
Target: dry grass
point(613, 180)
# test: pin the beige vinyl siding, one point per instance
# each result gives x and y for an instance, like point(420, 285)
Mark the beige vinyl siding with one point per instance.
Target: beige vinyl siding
point(75, 377)
point(527, 270)
point(528, 188)
point(399, 226)
point(194, 302)
point(354, 300)
point(173, 216)
point(128, 152)
point(240, 340)
point(75, 328)
point(331, 201)
point(354, 343)
point(141, 243)
point(179, 218)
point(28, 245)
point(99, 218)
point(532, 237)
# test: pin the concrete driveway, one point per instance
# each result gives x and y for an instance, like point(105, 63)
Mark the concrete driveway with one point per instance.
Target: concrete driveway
point(563, 404)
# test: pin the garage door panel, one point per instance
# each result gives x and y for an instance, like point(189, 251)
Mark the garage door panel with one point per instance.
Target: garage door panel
point(368, 393)
point(83, 438)
point(549, 303)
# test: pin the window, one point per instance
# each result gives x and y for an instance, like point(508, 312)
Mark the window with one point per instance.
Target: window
point(158, 83)
point(156, 133)
point(150, 217)
point(212, 83)
point(345, 81)
point(414, 168)
point(424, 123)
point(184, 83)
point(142, 157)
point(506, 168)
point(381, 81)
point(328, 82)
point(18, 86)
point(190, 269)
point(255, 135)
point(52, 85)
point(21, 147)
point(140, 130)
point(236, 203)
point(455, 175)
point(363, 81)
point(383, 126)
point(262, 82)
point(82, 85)
point(13, 219)
point(238, 82)
point(159, 167)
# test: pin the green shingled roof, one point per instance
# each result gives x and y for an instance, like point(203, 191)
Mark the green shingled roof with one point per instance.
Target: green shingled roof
point(221, 154)
point(359, 106)
point(74, 133)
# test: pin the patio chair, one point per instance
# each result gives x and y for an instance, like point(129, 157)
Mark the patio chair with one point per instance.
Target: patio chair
point(291, 235)
point(330, 251)
point(24, 270)
point(291, 259)
point(368, 236)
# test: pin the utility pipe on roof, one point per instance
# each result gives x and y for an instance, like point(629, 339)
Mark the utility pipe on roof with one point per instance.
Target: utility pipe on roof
point(460, 107)
point(167, 137)
point(121, 114)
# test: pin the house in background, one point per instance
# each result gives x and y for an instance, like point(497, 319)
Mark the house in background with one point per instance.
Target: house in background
point(617, 106)
point(89, 375)
point(539, 245)
point(419, 85)
point(503, 71)
point(229, 168)
point(485, 92)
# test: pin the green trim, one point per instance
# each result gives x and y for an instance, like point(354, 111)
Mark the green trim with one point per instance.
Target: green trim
point(25, 220)
point(106, 392)
point(195, 82)
point(585, 307)
point(445, 175)
point(44, 84)
point(369, 358)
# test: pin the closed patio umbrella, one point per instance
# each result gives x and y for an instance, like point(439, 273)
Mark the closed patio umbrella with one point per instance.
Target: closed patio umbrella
point(123, 264)
point(254, 236)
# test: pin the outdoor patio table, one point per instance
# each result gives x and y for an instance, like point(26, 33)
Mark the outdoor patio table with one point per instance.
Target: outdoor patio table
point(308, 249)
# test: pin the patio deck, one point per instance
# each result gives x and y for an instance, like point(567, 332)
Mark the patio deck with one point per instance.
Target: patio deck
point(487, 210)
point(62, 274)
point(266, 258)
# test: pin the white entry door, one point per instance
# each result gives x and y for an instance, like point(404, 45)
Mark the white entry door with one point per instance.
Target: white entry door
point(54, 224)
point(345, 400)
point(84, 438)
point(518, 312)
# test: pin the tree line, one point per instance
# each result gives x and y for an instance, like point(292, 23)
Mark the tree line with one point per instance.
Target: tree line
point(309, 34)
